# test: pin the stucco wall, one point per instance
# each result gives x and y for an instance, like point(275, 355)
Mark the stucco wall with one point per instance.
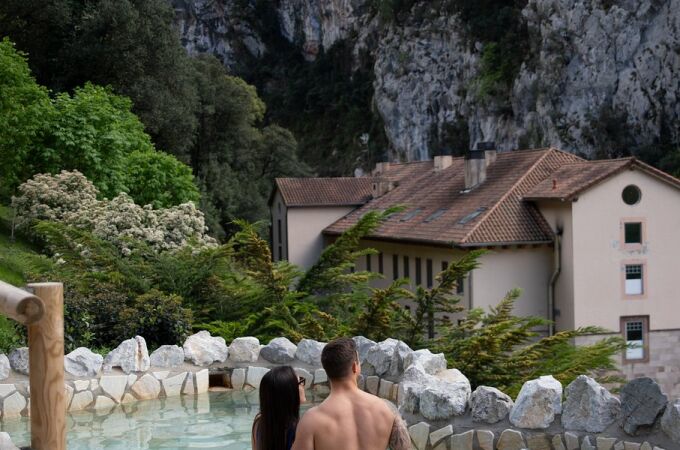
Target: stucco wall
point(599, 254)
point(558, 215)
point(528, 268)
point(304, 227)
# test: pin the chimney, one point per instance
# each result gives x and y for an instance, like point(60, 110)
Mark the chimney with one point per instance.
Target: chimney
point(382, 186)
point(443, 161)
point(380, 168)
point(476, 163)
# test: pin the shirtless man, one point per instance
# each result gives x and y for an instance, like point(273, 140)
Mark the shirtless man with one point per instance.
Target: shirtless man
point(349, 419)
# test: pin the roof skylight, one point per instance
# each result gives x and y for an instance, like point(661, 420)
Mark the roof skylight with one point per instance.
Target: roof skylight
point(411, 214)
point(435, 215)
point(472, 216)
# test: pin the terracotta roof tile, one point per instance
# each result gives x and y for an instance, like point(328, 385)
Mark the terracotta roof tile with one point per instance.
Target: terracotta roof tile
point(439, 212)
point(325, 191)
point(573, 179)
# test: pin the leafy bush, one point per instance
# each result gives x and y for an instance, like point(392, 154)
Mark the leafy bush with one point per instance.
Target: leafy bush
point(71, 199)
point(157, 316)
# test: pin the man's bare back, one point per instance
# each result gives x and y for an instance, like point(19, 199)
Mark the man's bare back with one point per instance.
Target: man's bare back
point(350, 419)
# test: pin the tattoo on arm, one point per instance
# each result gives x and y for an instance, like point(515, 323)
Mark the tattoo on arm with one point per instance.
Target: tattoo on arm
point(399, 437)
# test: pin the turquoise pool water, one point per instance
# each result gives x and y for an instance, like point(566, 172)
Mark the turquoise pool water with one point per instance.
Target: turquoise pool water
point(216, 420)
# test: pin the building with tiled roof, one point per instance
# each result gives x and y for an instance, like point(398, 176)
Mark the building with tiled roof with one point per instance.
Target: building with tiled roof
point(588, 242)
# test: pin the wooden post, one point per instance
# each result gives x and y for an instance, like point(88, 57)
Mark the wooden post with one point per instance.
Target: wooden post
point(20, 305)
point(46, 370)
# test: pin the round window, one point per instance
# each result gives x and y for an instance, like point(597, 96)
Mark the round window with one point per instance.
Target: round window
point(631, 194)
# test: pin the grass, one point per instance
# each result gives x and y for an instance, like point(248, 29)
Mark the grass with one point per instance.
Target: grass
point(18, 258)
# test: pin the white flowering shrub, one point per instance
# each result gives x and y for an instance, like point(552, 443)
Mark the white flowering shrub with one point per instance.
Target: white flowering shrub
point(71, 199)
point(59, 198)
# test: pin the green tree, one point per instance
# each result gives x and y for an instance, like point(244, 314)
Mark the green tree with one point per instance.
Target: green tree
point(503, 350)
point(159, 179)
point(25, 113)
point(94, 132)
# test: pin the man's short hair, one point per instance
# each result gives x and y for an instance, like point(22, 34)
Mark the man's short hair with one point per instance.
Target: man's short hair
point(337, 357)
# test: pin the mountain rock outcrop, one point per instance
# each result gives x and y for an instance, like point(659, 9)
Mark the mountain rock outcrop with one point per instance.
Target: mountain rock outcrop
point(599, 76)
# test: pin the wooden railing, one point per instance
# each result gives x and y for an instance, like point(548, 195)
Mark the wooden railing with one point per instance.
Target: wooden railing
point(42, 311)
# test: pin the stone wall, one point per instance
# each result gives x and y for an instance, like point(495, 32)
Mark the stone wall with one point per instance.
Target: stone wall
point(438, 404)
point(664, 360)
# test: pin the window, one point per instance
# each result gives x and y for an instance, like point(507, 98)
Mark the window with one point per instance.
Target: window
point(395, 267)
point(634, 279)
point(407, 267)
point(459, 286)
point(428, 273)
point(381, 268)
point(635, 332)
point(631, 195)
point(419, 272)
point(368, 262)
point(632, 232)
point(445, 265)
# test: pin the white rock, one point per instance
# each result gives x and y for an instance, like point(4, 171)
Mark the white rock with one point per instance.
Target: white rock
point(103, 402)
point(173, 385)
point(162, 374)
point(18, 360)
point(82, 362)
point(440, 434)
point(308, 376)
point(589, 406)
point(13, 405)
point(537, 403)
point(4, 366)
point(131, 378)
point(131, 356)
point(254, 376)
point(309, 351)
point(670, 421)
point(202, 349)
point(363, 345)
point(489, 405)
point(385, 389)
point(68, 391)
point(81, 400)
point(238, 378)
point(167, 356)
point(81, 385)
point(202, 381)
point(372, 384)
point(320, 376)
point(432, 363)
point(387, 357)
point(147, 387)
point(419, 433)
point(244, 349)
point(6, 442)
point(443, 400)
point(128, 398)
point(114, 386)
point(190, 385)
point(279, 351)
point(6, 389)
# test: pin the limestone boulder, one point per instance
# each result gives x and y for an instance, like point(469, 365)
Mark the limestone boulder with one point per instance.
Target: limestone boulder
point(363, 345)
point(489, 405)
point(670, 421)
point(411, 387)
point(589, 406)
point(4, 366)
point(82, 362)
point(437, 402)
point(387, 358)
point(131, 356)
point(279, 351)
point(167, 356)
point(537, 404)
point(202, 349)
point(431, 362)
point(18, 360)
point(147, 387)
point(642, 403)
point(244, 349)
point(309, 351)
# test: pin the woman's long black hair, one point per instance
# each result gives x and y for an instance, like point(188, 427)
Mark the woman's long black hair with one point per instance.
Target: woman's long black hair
point(279, 408)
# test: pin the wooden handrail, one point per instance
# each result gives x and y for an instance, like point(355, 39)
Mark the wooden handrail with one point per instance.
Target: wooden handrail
point(20, 305)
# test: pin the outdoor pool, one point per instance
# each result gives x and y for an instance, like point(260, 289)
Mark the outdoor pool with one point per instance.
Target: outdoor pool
point(217, 420)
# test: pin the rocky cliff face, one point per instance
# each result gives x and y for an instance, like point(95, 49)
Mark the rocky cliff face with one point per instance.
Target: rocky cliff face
point(598, 75)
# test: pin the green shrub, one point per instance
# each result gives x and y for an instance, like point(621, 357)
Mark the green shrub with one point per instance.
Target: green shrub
point(158, 317)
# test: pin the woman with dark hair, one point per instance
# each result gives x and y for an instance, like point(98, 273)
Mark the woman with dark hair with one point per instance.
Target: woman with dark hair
point(281, 392)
